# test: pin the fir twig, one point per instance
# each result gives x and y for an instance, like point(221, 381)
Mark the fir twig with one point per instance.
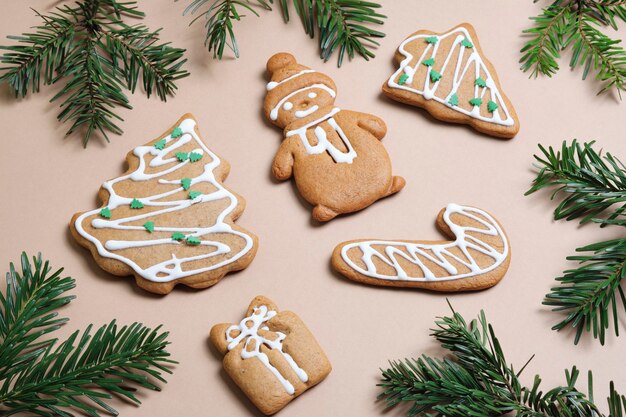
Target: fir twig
point(45, 378)
point(479, 382)
point(575, 24)
point(592, 188)
point(90, 45)
point(343, 25)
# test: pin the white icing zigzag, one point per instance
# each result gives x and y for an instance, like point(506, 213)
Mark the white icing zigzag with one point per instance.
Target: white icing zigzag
point(429, 89)
point(170, 269)
point(248, 332)
point(439, 254)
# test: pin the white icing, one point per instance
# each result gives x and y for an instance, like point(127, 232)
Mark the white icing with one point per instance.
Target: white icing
point(170, 269)
point(323, 144)
point(248, 330)
point(274, 112)
point(440, 254)
point(273, 84)
point(312, 95)
point(304, 113)
point(288, 105)
point(430, 89)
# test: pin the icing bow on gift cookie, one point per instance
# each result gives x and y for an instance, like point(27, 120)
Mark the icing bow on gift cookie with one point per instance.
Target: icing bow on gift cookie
point(334, 155)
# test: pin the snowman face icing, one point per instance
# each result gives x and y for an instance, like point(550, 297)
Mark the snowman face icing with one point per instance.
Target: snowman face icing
point(302, 103)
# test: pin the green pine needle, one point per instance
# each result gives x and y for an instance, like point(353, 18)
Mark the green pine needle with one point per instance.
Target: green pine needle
point(39, 376)
point(592, 189)
point(575, 24)
point(96, 54)
point(343, 26)
point(478, 381)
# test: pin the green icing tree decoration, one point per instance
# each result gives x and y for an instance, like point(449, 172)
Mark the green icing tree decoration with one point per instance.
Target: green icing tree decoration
point(435, 75)
point(454, 100)
point(182, 156)
point(42, 376)
point(193, 240)
point(91, 50)
point(177, 236)
point(475, 379)
point(344, 26)
point(432, 40)
point(477, 101)
point(576, 24)
point(194, 194)
point(186, 183)
point(160, 145)
point(403, 79)
point(480, 82)
point(492, 106)
point(136, 204)
point(149, 226)
point(106, 213)
point(195, 156)
point(429, 62)
point(466, 43)
point(177, 133)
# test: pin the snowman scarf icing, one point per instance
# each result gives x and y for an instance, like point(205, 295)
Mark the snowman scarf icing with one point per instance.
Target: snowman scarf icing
point(170, 269)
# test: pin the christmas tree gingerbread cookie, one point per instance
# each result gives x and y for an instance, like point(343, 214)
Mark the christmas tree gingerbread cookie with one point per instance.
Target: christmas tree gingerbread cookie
point(334, 155)
point(270, 355)
point(476, 257)
point(169, 219)
point(448, 75)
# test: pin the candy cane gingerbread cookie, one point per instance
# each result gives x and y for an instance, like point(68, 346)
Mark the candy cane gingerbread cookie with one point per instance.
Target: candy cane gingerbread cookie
point(476, 257)
point(272, 356)
point(169, 219)
point(448, 75)
point(334, 155)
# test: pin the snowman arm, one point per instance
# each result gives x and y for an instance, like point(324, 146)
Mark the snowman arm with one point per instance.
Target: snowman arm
point(282, 167)
point(373, 124)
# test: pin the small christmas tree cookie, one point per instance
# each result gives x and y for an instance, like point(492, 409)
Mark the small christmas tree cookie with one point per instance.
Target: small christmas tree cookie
point(448, 75)
point(169, 219)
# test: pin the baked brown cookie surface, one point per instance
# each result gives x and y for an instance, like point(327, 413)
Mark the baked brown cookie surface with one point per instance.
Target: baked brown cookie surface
point(169, 219)
point(476, 257)
point(448, 75)
point(334, 155)
point(271, 355)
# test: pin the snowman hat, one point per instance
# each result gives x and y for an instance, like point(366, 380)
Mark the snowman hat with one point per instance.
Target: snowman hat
point(287, 77)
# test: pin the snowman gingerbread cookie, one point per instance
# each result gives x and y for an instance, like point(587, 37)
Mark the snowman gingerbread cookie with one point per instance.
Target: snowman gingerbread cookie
point(334, 155)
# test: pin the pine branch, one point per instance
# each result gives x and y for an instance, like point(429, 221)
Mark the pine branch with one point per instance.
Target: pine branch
point(91, 44)
point(39, 376)
point(479, 382)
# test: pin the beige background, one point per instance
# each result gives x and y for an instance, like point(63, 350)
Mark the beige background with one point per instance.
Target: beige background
point(46, 178)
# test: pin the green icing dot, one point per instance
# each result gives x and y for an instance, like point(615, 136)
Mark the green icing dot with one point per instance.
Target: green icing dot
point(466, 43)
point(106, 213)
point(182, 156)
point(194, 194)
point(477, 101)
point(149, 226)
point(186, 183)
point(480, 82)
point(492, 106)
point(136, 204)
point(194, 156)
point(434, 75)
point(177, 132)
point(403, 78)
point(454, 100)
point(177, 236)
point(160, 144)
point(429, 62)
point(432, 39)
point(193, 240)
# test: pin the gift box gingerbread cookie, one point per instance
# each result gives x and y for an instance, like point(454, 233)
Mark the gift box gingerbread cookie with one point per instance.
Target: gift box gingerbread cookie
point(271, 355)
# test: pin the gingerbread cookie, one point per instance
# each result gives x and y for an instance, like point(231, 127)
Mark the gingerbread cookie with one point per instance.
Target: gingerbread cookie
point(476, 257)
point(448, 75)
point(169, 219)
point(270, 355)
point(334, 155)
